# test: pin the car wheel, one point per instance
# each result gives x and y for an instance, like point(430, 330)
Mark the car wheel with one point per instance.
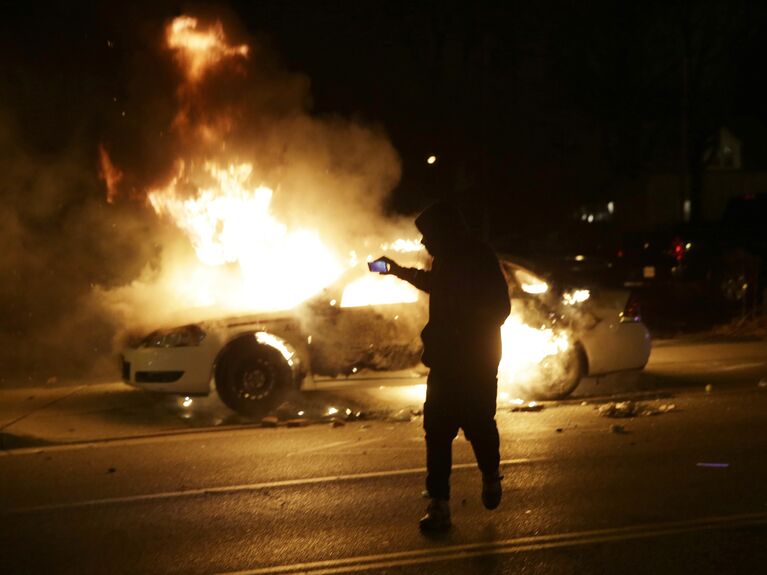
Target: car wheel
point(252, 378)
point(560, 375)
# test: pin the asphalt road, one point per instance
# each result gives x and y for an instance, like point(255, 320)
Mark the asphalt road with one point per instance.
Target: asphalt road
point(679, 492)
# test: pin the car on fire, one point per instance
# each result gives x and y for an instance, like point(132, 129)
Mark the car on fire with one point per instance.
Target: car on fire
point(253, 361)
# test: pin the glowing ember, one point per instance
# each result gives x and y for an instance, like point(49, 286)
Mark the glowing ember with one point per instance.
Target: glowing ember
point(276, 343)
point(200, 49)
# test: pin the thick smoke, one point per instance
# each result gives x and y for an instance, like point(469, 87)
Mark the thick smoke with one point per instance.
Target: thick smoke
point(61, 244)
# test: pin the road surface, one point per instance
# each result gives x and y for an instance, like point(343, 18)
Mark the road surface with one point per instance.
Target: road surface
point(679, 492)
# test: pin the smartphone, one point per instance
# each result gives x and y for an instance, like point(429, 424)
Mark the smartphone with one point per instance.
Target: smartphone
point(379, 266)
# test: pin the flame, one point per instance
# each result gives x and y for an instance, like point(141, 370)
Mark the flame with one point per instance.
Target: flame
point(229, 221)
point(576, 297)
point(530, 283)
point(277, 343)
point(376, 289)
point(197, 49)
point(109, 173)
point(404, 246)
point(525, 348)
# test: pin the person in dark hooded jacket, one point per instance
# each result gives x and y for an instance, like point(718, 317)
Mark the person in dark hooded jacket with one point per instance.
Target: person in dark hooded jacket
point(468, 303)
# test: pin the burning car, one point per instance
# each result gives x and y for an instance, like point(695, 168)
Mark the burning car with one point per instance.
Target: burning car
point(364, 330)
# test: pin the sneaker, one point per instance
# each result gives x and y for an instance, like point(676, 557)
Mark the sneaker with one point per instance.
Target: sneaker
point(491, 490)
point(437, 518)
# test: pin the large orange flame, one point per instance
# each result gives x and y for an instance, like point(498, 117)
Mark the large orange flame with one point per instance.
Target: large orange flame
point(109, 173)
point(200, 49)
point(229, 221)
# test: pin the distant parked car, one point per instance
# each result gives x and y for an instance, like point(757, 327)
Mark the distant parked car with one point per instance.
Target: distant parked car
point(728, 257)
point(253, 360)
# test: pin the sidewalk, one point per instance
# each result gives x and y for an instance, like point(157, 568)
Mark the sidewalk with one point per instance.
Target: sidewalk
point(91, 412)
point(32, 417)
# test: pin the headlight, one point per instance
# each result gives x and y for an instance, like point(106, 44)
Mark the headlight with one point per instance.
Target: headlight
point(185, 336)
point(531, 283)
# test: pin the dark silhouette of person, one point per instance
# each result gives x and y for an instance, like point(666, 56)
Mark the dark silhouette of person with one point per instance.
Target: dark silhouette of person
point(468, 303)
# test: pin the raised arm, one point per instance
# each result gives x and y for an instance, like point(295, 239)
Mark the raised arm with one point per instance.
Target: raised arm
point(419, 278)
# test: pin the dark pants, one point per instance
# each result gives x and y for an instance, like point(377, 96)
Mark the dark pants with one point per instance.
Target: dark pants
point(454, 403)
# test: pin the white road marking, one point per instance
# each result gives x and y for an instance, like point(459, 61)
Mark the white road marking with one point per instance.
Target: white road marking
point(738, 366)
point(195, 434)
point(244, 488)
point(508, 546)
point(702, 365)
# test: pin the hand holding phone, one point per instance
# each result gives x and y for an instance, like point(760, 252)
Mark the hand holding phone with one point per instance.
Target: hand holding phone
point(379, 266)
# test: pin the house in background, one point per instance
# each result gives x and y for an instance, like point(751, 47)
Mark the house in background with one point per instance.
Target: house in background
point(655, 200)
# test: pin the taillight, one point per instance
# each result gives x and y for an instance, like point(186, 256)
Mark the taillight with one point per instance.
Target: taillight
point(678, 249)
point(632, 311)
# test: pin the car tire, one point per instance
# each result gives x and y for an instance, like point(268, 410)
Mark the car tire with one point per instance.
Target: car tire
point(560, 378)
point(252, 378)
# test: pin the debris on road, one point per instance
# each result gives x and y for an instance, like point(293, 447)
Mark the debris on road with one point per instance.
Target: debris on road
point(559, 430)
point(532, 406)
point(762, 382)
point(619, 429)
point(709, 388)
point(620, 409)
point(633, 409)
point(270, 421)
point(112, 470)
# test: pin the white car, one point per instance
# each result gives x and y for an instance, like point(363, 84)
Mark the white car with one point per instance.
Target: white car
point(254, 360)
